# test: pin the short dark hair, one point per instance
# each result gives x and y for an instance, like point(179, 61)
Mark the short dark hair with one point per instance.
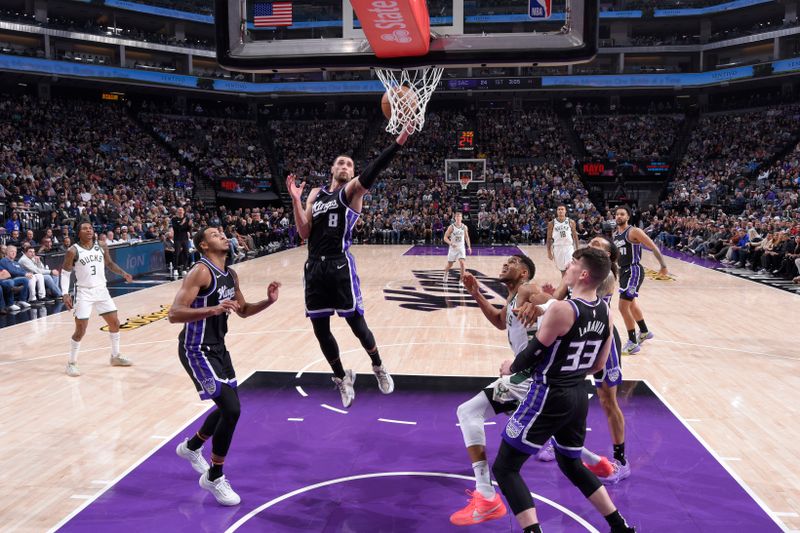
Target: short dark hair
point(596, 261)
point(625, 207)
point(82, 222)
point(528, 262)
point(613, 252)
point(199, 237)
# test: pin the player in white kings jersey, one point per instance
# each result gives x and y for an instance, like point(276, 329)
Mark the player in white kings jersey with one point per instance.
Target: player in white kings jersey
point(562, 239)
point(89, 261)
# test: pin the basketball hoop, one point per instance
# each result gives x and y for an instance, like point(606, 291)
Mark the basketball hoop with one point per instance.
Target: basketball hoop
point(465, 181)
point(408, 106)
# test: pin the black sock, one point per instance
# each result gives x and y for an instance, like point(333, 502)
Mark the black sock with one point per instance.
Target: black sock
point(616, 522)
point(215, 471)
point(535, 528)
point(195, 442)
point(338, 369)
point(632, 335)
point(619, 453)
point(642, 325)
point(376, 357)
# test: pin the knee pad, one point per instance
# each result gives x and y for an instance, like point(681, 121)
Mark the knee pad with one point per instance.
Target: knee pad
point(579, 475)
point(471, 415)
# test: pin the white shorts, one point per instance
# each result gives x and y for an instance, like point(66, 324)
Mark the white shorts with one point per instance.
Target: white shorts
point(510, 389)
point(97, 298)
point(562, 256)
point(453, 254)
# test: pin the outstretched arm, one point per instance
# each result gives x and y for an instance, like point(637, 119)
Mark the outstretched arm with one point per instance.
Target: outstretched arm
point(249, 309)
point(638, 236)
point(494, 315)
point(357, 188)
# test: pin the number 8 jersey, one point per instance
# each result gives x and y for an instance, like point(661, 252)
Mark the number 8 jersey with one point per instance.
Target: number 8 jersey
point(572, 355)
point(90, 267)
point(332, 223)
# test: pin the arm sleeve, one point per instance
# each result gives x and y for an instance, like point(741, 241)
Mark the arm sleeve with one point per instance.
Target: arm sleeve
point(529, 356)
point(64, 281)
point(370, 174)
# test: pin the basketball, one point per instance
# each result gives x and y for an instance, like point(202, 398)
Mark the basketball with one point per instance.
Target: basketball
point(409, 99)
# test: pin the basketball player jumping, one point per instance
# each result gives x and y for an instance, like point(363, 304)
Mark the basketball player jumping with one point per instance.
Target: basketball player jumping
point(209, 293)
point(456, 236)
point(574, 338)
point(607, 379)
point(562, 239)
point(501, 396)
point(90, 260)
point(330, 277)
point(629, 241)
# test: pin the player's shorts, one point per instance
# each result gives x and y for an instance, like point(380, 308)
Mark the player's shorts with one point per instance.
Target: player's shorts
point(563, 256)
point(558, 412)
point(611, 374)
point(209, 366)
point(97, 298)
point(331, 285)
point(630, 281)
point(506, 392)
point(456, 253)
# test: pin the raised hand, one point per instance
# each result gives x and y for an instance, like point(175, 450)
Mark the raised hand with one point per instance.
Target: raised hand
point(294, 190)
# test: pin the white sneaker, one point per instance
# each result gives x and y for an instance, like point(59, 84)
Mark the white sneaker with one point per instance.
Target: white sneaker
point(195, 457)
point(120, 360)
point(385, 381)
point(345, 387)
point(13, 308)
point(72, 370)
point(221, 489)
point(24, 305)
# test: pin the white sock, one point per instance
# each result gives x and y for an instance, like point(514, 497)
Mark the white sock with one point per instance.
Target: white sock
point(589, 458)
point(74, 346)
point(483, 480)
point(114, 344)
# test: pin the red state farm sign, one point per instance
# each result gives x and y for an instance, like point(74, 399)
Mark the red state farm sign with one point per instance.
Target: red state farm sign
point(395, 28)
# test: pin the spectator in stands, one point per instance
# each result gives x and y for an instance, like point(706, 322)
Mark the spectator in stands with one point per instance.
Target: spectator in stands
point(45, 277)
point(181, 227)
point(9, 262)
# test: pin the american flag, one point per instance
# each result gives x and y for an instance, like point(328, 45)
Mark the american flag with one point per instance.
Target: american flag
point(272, 14)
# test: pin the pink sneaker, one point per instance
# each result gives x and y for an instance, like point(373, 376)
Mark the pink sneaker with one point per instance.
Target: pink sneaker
point(479, 509)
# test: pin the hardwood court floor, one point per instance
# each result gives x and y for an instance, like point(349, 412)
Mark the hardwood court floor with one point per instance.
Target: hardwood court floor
point(726, 356)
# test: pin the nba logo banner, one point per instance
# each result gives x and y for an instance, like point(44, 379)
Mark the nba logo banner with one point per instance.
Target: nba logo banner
point(539, 9)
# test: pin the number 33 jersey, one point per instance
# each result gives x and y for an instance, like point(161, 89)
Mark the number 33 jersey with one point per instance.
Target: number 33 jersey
point(572, 355)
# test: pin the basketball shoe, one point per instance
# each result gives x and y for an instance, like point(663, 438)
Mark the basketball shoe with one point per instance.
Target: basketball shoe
point(479, 509)
point(120, 360)
point(602, 469)
point(621, 471)
point(646, 336)
point(547, 453)
point(385, 381)
point(221, 489)
point(195, 457)
point(345, 387)
point(72, 370)
point(630, 348)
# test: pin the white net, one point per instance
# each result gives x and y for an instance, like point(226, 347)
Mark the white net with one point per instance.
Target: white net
point(409, 91)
